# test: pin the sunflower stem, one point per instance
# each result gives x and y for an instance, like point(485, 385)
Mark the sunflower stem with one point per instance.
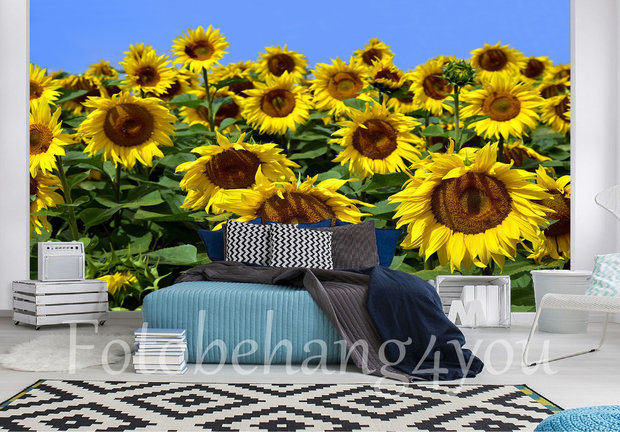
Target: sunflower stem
point(211, 119)
point(117, 195)
point(457, 129)
point(500, 149)
point(66, 190)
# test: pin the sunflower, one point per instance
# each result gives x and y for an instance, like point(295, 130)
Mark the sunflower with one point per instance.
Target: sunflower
point(549, 89)
point(402, 100)
point(136, 51)
point(334, 83)
point(511, 105)
point(372, 51)
point(277, 105)
point(430, 89)
point(383, 73)
point(148, 73)
point(230, 166)
point(184, 81)
point(290, 202)
point(377, 141)
point(556, 113)
point(102, 69)
point(118, 281)
point(555, 241)
point(469, 214)
point(43, 195)
point(43, 88)
point(237, 71)
point(559, 72)
point(535, 68)
point(516, 153)
point(127, 129)
point(492, 60)
point(199, 49)
point(276, 61)
point(200, 114)
point(46, 139)
point(91, 84)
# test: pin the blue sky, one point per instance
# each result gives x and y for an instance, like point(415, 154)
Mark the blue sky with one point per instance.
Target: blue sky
point(71, 34)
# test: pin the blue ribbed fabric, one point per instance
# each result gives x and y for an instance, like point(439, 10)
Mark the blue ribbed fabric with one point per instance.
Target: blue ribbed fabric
point(595, 419)
point(237, 312)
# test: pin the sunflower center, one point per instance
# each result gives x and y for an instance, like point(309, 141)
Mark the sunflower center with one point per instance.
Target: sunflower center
point(377, 141)
point(387, 74)
point(36, 90)
point(552, 90)
point(232, 169)
point(493, 60)
point(240, 87)
point(128, 125)
point(147, 76)
point(295, 207)
point(344, 85)
point(172, 91)
point(201, 50)
point(561, 109)
point(516, 154)
point(534, 69)
point(471, 204)
point(502, 107)
point(371, 55)
point(436, 87)
point(226, 110)
point(41, 138)
point(278, 103)
point(33, 186)
point(279, 63)
point(561, 213)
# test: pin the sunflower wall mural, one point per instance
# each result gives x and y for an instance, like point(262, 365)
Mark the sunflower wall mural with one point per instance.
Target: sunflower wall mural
point(470, 157)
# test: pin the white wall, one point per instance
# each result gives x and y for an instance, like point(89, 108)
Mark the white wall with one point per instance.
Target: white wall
point(595, 135)
point(14, 181)
point(595, 139)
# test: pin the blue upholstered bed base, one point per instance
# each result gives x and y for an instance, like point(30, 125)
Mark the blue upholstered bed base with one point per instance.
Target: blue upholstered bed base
point(239, 313)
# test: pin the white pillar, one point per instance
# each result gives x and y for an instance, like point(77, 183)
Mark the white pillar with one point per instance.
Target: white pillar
point(595, 142)
point(14, 181)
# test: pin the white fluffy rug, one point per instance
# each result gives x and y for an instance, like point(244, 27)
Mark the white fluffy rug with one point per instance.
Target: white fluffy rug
point(56, 352)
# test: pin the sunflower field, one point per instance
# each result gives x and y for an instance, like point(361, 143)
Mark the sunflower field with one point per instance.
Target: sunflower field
point(469, 156)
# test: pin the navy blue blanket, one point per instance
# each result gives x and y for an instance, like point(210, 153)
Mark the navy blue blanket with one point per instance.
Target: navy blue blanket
point(404, 306)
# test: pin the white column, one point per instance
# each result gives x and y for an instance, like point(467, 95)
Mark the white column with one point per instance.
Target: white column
point(595, 153)
point(14, 181)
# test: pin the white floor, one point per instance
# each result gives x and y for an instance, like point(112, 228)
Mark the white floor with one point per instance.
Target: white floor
point(591, 379)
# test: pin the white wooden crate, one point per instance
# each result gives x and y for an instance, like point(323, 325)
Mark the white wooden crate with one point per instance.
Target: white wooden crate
point(45, 303)
point(450, 288)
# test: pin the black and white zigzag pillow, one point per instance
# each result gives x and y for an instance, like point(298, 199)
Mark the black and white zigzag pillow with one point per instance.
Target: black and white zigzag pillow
point(295, 247)
point(247, 243)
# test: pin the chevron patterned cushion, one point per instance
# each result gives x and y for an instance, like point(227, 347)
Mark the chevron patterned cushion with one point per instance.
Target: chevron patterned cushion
point(294, 247)
point(247, 243)
point(605, 276)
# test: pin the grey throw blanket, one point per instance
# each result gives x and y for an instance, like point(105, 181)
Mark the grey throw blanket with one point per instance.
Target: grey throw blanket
point(340, 294)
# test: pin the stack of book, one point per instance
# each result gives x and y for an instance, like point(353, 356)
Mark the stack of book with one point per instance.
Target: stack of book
point(160, 351)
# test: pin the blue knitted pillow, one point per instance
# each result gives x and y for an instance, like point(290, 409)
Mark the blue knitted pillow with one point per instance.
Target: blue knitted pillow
point(605, 276)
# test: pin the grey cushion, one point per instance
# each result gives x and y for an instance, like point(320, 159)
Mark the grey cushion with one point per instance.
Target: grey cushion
point(354, 246)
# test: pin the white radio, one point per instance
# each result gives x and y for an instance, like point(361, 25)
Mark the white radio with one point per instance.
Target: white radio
point(61, 261)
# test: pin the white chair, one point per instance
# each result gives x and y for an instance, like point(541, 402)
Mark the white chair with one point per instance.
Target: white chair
point(603, 294)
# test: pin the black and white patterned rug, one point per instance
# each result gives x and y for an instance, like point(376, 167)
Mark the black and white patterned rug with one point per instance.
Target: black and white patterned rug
point(54, 405)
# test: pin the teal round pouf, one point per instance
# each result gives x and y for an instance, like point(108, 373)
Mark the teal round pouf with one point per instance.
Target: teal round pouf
point(595, 419)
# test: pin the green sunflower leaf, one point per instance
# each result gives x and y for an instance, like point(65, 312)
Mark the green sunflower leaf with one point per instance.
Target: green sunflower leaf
point(227, 122)
point(434, 131)
point(474, 119)
point(311, 154)
point(177, 255)
point(188, 100)
point(355, 103)
point(68, 94)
